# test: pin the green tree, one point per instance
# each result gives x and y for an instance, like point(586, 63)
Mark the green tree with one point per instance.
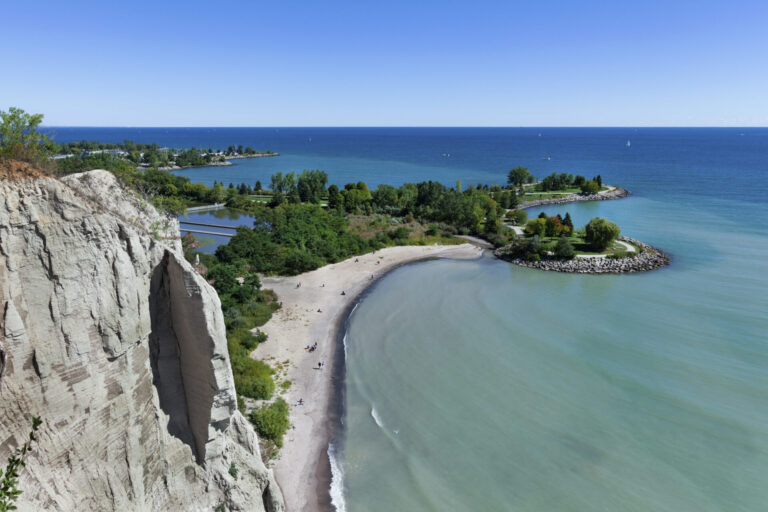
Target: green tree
point(518, 176)
point(536, 227)
point(599, 233)
point(311, 185)
point(335, 200)
point(492, 221)
point(20, 139)
point(519, 217)
point(567, 221)
point(218, 194)
point(564, 249)
point(590, 187)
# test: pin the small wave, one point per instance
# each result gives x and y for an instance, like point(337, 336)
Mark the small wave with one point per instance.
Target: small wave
point(344, 341)
point(376, 418)
point(337, 481)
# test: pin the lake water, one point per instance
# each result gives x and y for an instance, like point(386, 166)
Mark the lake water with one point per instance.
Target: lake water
point(220, 217)
point(484, 386)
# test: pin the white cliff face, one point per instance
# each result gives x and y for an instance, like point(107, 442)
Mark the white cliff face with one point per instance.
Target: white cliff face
point(109, 335)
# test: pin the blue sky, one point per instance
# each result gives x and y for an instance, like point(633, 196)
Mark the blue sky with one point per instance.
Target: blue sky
point(393, 63)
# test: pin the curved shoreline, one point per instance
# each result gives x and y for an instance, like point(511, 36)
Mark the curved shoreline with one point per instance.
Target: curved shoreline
point(650, 258)
point(608, 195)
point(316, 313)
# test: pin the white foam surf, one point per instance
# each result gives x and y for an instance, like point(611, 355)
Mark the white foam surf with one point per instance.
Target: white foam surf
point(376, 418)
point(337, 481)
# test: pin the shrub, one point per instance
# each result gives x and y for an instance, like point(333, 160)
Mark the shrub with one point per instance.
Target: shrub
point(564, 249)
point(252, 378)
point(271, 421)
point(532, 256)
point(9, 491)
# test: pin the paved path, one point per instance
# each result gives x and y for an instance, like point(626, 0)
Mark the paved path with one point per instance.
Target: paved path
point(630, 247)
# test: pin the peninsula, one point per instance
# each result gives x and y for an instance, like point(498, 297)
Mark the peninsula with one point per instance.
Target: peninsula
point(317, 248)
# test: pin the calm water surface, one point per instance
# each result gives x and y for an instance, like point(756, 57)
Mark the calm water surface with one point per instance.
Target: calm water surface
point(483, 386)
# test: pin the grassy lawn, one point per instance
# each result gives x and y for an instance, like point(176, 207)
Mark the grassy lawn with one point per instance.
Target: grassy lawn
point(534, 196)
point(581, 247)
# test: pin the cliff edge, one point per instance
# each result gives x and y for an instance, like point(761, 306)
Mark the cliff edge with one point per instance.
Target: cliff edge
point(109, 335)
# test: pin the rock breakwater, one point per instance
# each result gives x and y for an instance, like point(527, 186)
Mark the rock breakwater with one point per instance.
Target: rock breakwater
point(648, 258)
point(616, 193)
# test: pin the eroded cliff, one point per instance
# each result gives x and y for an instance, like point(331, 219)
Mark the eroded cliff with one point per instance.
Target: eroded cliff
point(109, 335)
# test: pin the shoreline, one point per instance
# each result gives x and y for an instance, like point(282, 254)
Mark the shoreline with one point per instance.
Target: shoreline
point(303, 468)
point(650, 258)
point(606, 195)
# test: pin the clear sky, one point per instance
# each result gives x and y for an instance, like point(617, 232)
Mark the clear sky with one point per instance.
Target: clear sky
point(387, 63)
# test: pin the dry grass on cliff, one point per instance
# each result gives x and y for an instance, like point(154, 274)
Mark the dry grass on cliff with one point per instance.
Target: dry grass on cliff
point(16, 170)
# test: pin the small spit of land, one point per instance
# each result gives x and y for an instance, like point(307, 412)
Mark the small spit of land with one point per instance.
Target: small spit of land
point(313, 311)
point(75, 156)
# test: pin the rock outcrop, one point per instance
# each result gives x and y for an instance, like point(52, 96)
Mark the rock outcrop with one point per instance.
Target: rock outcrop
point(109, 335)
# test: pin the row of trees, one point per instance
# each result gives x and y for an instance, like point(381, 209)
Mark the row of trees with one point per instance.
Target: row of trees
point(597, 235)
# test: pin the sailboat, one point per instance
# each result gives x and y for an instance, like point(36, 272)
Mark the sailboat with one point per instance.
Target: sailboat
point(628, 143)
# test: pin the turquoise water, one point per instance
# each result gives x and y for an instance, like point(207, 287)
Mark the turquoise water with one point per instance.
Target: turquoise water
point(484, 386)
point(503, 388)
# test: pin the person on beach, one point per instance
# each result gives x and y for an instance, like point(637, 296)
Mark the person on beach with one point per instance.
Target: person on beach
point(342, 292)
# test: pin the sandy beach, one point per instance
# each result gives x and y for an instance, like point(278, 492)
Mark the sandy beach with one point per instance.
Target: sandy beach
point(313, 311)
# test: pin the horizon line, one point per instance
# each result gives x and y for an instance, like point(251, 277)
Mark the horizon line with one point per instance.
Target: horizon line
point(405, 126)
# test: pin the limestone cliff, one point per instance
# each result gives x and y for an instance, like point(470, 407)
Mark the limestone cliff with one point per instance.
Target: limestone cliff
point(109, 335)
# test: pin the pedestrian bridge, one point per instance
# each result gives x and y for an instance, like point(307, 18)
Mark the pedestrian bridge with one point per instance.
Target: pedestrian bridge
point(195, 229)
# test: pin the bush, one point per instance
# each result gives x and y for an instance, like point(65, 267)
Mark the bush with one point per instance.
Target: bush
point(497, 240)
point(532, 256)
point(564, 249)
point(271, 421)
point(401, 233)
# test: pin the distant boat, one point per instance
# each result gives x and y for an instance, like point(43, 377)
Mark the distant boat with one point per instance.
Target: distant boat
point(447, 155)
point(547, 158)
point(628, 143)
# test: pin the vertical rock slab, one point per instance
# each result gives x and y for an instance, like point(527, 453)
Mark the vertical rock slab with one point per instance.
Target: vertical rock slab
point(109, 335)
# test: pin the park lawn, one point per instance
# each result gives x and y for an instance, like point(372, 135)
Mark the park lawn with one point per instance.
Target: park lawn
point(534, 196)
point(580, 246)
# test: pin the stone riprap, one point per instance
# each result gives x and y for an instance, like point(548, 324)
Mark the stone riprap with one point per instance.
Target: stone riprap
point(616, 193)
point(648, 258)
point(110, 336)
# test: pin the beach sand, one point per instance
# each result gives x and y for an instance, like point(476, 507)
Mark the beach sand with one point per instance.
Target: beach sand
point(314, 313)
